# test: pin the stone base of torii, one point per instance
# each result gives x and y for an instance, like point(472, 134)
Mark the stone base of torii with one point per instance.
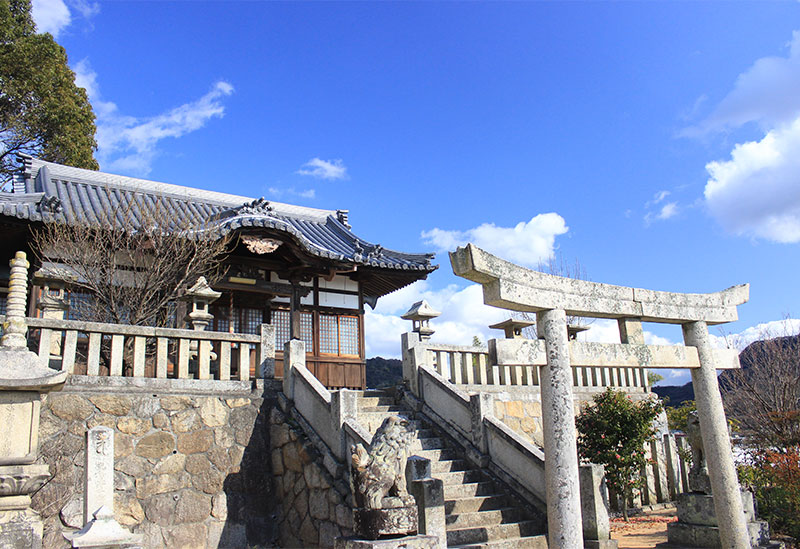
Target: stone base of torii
point(553, 298)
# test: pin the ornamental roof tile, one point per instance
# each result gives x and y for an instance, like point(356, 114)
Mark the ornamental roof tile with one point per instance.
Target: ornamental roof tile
point(47, 191)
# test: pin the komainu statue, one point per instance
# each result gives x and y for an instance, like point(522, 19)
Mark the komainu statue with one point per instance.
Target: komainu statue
point(384, 506)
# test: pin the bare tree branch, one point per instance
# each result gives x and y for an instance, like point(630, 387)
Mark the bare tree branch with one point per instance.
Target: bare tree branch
point(764, 395)
point(134, 260)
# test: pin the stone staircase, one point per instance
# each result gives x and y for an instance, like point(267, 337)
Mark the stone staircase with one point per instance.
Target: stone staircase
point(480, 511)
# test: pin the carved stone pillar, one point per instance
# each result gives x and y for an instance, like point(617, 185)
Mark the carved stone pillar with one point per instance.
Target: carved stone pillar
point(23, 379)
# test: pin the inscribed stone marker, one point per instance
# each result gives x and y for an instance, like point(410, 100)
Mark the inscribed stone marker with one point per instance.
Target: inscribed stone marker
point(99, 487)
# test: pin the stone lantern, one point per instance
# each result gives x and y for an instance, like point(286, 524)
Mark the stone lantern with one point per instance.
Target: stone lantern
point(53, 303)
point(574, 329)
point(23, 379)
point(512, 327)
point(420, 315)
point(200, 296)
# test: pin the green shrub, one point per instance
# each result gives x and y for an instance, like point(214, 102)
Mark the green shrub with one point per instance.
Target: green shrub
point(612, 432)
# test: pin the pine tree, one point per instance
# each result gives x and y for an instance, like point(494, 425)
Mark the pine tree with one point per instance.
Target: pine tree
point(42, 111)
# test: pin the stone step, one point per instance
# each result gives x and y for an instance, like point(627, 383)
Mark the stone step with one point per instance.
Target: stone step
point(485, 518)
point(436, 455)
point(388, 409)
point(373, 393)
point(428, 444)
point(460, 477)
point(371, 421)
point(448, 465)
point(469, 489)
point(474, 504)
point(424, 433)
point(482, 534)
point(532, 542)
point(372, 401)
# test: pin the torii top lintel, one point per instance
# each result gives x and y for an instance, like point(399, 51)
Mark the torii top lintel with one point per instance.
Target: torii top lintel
point(510, 286)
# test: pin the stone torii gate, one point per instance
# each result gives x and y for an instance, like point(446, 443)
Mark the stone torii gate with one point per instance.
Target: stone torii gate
point(552, 298)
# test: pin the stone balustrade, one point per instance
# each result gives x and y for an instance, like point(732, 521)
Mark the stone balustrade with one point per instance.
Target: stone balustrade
point(146, 351)
point(482, 368)
point(330, 416)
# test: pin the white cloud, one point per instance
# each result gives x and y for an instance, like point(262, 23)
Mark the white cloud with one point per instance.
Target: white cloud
point(54, 16)
point(291, 191)
point(324, 169)
point(51, 16)
point(765, 330)
point(659, 196)
point(463, 316)
point(86, 8)
point(668, 210)
point(129, 144)
point(767, 93)
point(526, 243)
point(757, 192)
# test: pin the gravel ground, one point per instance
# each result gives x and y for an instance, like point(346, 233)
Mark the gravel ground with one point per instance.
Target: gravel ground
point(643, 531)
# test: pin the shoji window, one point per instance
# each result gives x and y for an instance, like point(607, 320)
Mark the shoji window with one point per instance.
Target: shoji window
point(339, 335)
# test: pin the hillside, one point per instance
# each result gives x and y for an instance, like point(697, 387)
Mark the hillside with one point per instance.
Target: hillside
point(675, 395)
point(383, 372)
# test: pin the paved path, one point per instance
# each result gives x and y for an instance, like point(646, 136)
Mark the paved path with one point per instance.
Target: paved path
point(643, 531)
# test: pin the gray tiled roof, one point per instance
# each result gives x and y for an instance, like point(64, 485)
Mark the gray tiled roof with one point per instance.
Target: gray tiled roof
point(48, 191)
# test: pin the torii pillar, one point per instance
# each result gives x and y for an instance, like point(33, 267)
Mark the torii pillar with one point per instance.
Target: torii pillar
point(552, 298)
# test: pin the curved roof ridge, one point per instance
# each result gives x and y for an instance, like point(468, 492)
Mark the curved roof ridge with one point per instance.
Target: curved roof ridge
point(60, 171)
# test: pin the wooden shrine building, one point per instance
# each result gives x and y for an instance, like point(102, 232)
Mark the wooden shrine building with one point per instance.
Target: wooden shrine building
point(301, 269)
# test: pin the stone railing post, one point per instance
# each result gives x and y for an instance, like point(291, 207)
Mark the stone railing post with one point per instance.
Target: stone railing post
point(673, 466)
point(429, 494)
point(294, 356)
point(481, 406)
point(594, 508)
point(560, 441)
point(344, 406)
point(413, 355)
point(716, 441)
point(266, 356)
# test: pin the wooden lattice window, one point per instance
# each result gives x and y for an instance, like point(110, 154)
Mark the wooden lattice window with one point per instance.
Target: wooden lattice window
point(339, 335)
point(245, 320)
point(282, 321)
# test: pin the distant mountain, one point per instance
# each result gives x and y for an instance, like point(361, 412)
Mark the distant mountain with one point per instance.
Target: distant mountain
point(383, 372)
point(762, 352)
point(758, 352)
point(674, 395)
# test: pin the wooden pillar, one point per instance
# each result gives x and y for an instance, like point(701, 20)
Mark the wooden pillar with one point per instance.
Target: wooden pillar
point(294, 312)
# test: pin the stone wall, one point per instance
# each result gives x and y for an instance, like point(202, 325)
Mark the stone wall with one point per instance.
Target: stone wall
point(523, 415)
point(521, 410)
point(191, 465)
point(314, 507)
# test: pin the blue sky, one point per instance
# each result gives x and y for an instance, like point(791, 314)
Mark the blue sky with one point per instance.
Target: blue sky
point(656, 143)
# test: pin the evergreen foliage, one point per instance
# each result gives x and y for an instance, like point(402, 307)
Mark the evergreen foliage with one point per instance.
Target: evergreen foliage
point(612, 432)
point(678, 416)
point(42, 112)
point(383, 372)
